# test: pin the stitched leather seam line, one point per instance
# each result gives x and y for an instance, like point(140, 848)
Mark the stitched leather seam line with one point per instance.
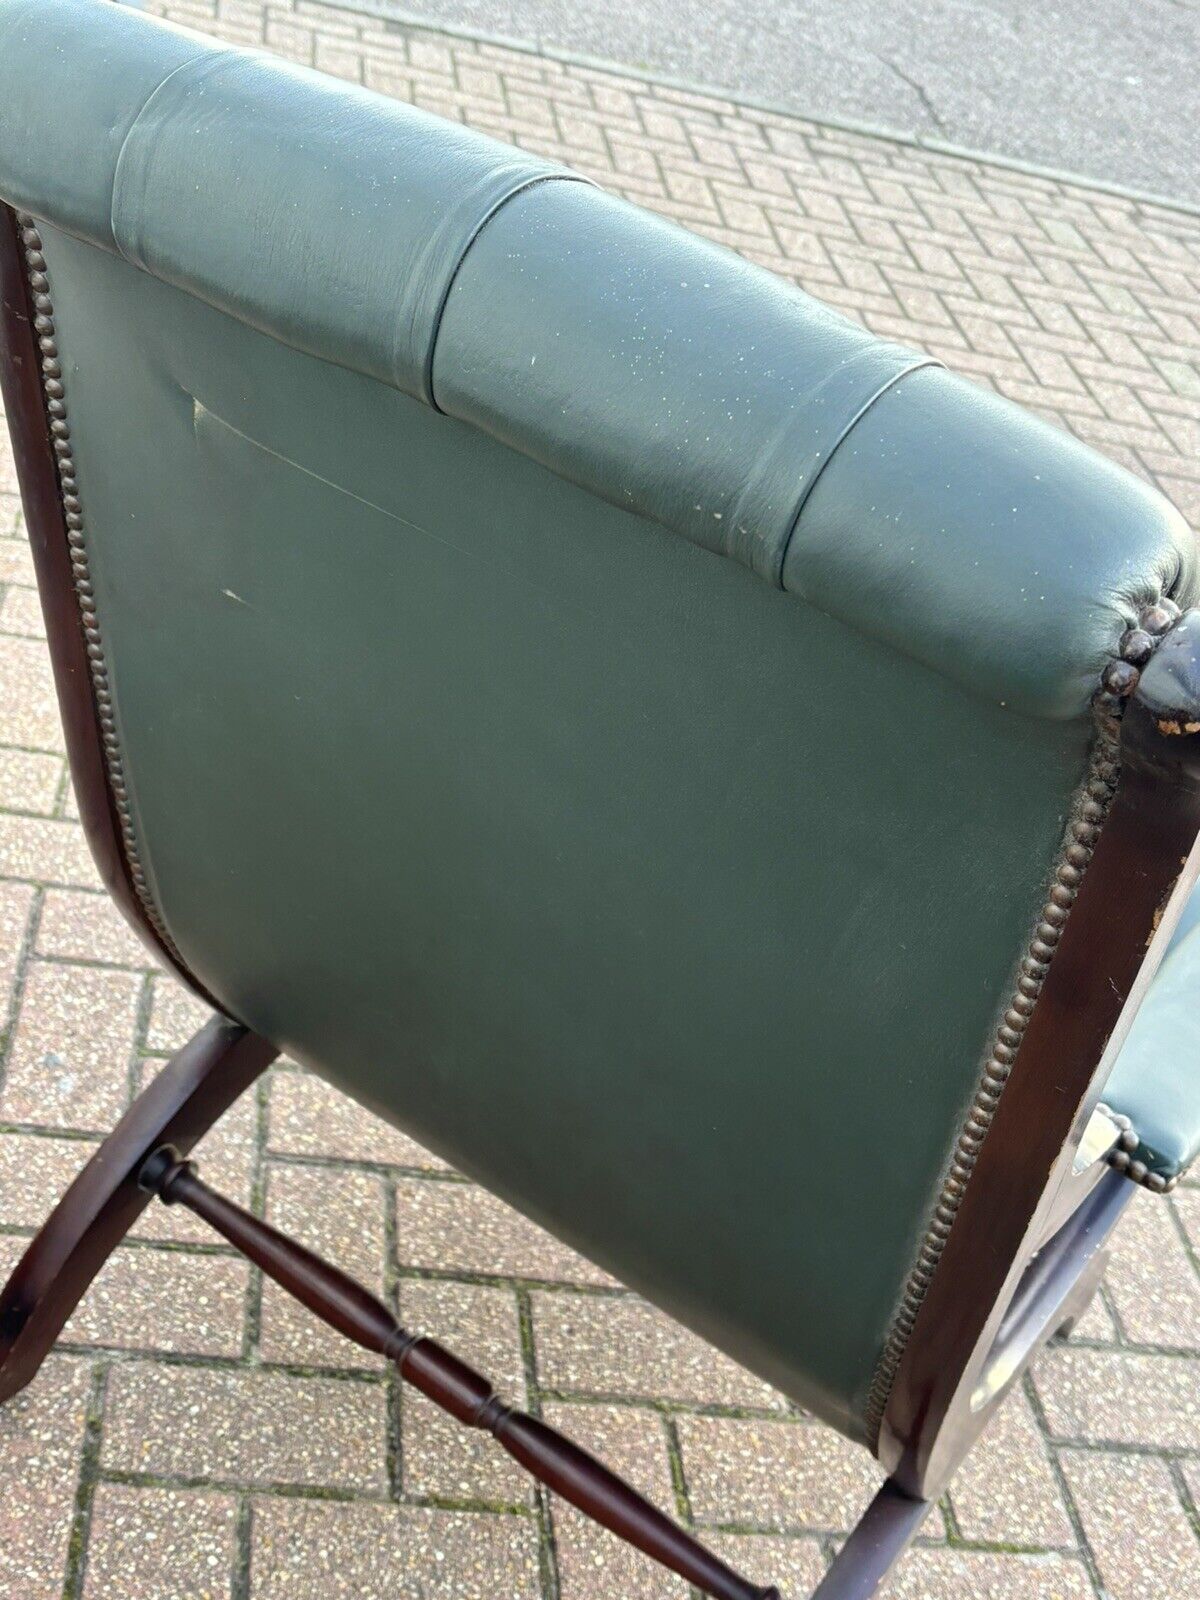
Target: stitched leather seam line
point(207, 54)
point(497, 206)
point(916, 365)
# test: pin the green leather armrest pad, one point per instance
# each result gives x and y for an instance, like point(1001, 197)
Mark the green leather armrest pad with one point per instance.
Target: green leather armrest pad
point(1156, 1081)
point(662, 373)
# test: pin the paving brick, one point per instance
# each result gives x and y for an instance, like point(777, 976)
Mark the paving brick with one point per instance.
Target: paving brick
point(456, 1227)
point(28, 708)
point(794, 1565)
point(440, 1458)
point(166, 1301)
point(1142, 1539)
point(1152, 1282)
point(303, 1550)
point(1186, 1203)
point(160, 1544)
point(309, 1117)
point(340, 1216)
point(430, 53)
point(1183, 377)
point(625, 1347)
point(16, 565)
point(21, 614)
point(479, 82)
point(1096, 1325)
point(34, 1171)
point(774, 1475)
point(175, 1014)
point(295, 43)
point(16, 908)
point(1006, 1491)
point(69, 1062)
point(254, 1428)
point(246, 13)
point(385, 77)
point(52, 852)
point(959, 1575)
point(335, 20)
point(8, 470)
point(41, 1433)
point(339, 60)
point(12, 1247)
point(79, 926)
point(29, 781)
point(1108, 1397)
point(591, 1562)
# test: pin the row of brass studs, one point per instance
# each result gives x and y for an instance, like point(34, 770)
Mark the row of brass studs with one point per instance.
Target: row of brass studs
point(1117, 683)
point(1121, 677)
point(60, 438)
point(1121, 1156)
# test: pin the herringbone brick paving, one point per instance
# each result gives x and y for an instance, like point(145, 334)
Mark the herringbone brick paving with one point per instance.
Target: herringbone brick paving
point(197, 1436)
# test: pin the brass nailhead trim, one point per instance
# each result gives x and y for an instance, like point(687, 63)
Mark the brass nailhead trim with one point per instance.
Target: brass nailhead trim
point(1117, 683)
point(52, 387)
point(1121, 1157)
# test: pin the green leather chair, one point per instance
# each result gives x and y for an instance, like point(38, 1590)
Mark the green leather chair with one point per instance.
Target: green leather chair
point(740, 778)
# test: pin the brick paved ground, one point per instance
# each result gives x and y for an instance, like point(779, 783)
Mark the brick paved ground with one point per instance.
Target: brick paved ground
point(197, 1437)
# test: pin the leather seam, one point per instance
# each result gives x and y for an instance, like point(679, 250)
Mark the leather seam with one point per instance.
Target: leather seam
point(917, 365)
point(206, 54)
point(530, 182)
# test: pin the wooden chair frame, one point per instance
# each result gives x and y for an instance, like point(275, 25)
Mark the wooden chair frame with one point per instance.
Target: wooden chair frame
point(1031, 1173)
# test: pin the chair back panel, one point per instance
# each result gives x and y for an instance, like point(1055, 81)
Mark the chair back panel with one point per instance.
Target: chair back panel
point(674, 910)
point(603, 709)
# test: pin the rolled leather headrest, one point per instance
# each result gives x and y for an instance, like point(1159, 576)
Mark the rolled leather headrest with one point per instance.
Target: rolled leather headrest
point(652, 367)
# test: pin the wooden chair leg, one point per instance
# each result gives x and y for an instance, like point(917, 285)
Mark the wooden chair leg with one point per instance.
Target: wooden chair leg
point(143, 1156)
point(884, 1532)
point(98, 1210)
point(1054, 1293)
point(459, 1390)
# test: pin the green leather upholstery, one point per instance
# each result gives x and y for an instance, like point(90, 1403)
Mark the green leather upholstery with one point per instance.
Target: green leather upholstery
point(604, 711)
point(1156, 1079)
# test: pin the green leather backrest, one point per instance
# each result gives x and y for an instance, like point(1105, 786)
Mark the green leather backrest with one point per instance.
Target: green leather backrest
point(603, 710)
